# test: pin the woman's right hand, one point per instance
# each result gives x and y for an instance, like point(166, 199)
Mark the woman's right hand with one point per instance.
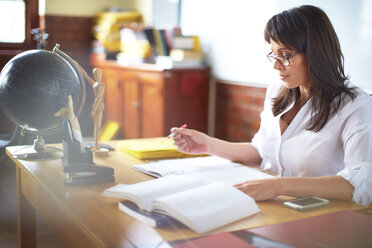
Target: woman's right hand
point(191, 141)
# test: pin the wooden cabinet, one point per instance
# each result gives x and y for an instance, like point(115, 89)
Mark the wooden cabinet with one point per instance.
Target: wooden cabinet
point(148, 101)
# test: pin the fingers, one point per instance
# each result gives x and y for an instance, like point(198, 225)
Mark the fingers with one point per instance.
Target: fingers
point(189, 140)
point(181, 139)
point(259, 190)
point(182, 147)
point(244, 186)
point(239, 185)
point(177, 131)
point(173, 133)
point(173, 129)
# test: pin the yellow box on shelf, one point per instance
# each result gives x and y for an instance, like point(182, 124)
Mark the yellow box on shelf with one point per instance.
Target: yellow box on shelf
point(182, 54)
point(161, 147)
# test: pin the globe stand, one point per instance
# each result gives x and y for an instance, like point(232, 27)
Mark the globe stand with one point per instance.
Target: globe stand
point(39, 151)
point(78, 163)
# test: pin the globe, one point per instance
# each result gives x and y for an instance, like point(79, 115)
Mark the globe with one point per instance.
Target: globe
point(35, 84)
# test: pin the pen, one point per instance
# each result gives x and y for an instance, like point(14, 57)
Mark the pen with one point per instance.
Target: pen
point(172, 134)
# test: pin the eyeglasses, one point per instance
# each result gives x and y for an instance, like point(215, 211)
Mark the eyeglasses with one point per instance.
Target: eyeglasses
point(285, 61)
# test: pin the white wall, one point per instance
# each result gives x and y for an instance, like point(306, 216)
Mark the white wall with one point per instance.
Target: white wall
point(232, 35)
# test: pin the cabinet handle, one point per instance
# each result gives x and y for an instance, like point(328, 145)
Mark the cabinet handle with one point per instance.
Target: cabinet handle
point(167, 74)
point(136, 104)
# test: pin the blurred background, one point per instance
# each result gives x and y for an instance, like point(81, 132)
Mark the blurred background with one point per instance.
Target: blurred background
point(165, 63)
point(225, 36)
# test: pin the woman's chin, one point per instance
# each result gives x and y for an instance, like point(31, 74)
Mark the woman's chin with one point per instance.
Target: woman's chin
point(289, 85)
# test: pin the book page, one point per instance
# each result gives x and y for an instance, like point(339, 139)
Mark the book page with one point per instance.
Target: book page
point(232, 175)
point(207, 207)
point(144, 192)
point(184, 166)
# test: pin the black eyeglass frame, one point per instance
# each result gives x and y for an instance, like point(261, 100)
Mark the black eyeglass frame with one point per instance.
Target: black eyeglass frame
point(283, 61)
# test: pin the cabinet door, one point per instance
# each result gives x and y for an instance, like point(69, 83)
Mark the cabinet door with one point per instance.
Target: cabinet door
point(152, 103)
point(148, 102)
point(132, 108)
point(152, 110)
point(113, 95)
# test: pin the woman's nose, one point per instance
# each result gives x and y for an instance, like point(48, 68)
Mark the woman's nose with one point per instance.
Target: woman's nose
point(277, 65)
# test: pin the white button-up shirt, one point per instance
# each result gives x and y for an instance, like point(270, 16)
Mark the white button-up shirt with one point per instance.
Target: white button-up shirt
point(342, 147)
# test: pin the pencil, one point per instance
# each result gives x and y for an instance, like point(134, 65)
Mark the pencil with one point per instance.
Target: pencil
point(172, 134)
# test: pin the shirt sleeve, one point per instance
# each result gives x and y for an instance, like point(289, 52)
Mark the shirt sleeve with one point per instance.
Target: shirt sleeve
point(357, 140)
point(361, 179)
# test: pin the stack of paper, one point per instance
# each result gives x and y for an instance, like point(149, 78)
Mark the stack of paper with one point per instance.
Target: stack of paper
point(150, 148)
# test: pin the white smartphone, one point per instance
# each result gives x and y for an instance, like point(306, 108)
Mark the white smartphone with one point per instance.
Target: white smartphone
point(305, 203)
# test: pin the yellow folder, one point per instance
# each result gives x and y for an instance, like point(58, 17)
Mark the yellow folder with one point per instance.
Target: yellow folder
point(161, 147)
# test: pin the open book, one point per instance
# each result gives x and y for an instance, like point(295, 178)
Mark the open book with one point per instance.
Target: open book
point(198, 205)
point(181, 166)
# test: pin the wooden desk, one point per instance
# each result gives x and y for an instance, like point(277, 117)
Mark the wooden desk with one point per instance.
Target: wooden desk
point(81, 217)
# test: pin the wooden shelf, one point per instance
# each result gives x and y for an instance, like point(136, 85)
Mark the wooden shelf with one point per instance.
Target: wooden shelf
point(147, 101)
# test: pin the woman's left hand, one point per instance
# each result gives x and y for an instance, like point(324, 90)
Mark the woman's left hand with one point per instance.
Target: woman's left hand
point(260, 190)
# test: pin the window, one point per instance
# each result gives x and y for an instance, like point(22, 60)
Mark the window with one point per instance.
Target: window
point(17, 19)
point(12, 21)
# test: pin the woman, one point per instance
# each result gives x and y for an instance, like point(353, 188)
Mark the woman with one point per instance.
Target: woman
point(316, 128)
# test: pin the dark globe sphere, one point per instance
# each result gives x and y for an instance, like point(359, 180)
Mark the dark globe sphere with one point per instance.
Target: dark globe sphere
point(35, 84)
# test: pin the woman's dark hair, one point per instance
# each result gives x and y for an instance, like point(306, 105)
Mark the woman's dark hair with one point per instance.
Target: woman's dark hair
point(308, 30)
